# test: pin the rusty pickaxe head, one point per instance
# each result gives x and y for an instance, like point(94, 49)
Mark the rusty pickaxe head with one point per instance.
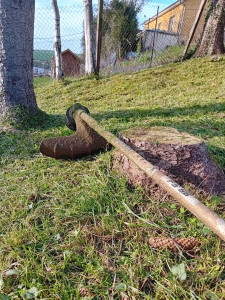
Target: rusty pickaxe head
point(84, 142)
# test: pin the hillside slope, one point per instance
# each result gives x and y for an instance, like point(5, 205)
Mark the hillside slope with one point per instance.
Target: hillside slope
point(66, 231)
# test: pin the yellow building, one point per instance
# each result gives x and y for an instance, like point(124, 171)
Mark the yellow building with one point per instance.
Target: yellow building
point(178, 18)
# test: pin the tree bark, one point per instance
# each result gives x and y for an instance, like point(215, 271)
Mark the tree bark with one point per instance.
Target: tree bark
point(213, 37)
point(194, 26)
point(99, 35)
point(90, 61)
point(16, 55)
point(58, 72)
point(180, 156)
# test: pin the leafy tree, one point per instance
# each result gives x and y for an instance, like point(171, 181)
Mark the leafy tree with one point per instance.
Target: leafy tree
point(120, 27)
point(16, 55)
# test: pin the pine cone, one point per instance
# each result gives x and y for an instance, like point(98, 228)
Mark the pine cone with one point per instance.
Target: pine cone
point(185, 244)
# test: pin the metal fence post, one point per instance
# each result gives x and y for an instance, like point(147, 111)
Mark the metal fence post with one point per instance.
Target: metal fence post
point(153, 44)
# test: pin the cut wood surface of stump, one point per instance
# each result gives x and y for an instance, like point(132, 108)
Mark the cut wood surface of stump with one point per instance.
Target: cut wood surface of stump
point(178, 155)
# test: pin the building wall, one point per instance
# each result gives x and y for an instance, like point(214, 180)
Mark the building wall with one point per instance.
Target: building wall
point(185, 14)
point(164, 19)
point(162, 40)
point(191, 8)
point(71, 65)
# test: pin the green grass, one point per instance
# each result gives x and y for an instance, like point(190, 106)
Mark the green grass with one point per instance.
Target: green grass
point(142, 60)
point(65, 229)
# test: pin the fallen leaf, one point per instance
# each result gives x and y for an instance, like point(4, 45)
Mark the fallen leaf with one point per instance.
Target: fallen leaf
point(179, 270)
point(31, 293)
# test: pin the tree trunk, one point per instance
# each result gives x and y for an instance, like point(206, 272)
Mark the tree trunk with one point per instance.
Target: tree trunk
point(90, 61)
point(213, 37)
point(58, 74)
point(99, 35)
point(16, 55)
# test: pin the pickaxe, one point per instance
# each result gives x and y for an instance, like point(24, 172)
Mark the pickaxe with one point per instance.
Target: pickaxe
point(90, 137)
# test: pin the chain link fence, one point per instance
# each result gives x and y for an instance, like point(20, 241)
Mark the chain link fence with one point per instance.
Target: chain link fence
point(133, 38)
point(71, 21)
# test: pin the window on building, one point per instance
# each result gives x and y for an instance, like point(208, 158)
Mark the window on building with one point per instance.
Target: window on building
point(159, 26)
point(171, 24)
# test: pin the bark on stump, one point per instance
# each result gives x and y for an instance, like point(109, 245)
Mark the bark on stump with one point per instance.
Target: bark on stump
point(178, 155)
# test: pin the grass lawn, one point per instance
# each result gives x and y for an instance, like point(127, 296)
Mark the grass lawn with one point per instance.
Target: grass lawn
point(66, 231)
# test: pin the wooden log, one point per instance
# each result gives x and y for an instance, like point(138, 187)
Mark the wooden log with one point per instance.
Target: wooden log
point(179, 155)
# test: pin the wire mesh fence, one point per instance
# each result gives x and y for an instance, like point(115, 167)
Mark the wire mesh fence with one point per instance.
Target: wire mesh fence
point(71, 20)
point(133, 36)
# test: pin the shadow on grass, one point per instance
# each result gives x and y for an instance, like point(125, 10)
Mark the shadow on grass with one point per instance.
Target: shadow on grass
point(195, 125)
point(165, 117)
point(218, 155)
point(23, 133)
point(24, 120)
point(164, 112)
point(43, 121)
point(196, 122)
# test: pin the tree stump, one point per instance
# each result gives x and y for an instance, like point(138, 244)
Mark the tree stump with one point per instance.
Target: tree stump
point(178, 155)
